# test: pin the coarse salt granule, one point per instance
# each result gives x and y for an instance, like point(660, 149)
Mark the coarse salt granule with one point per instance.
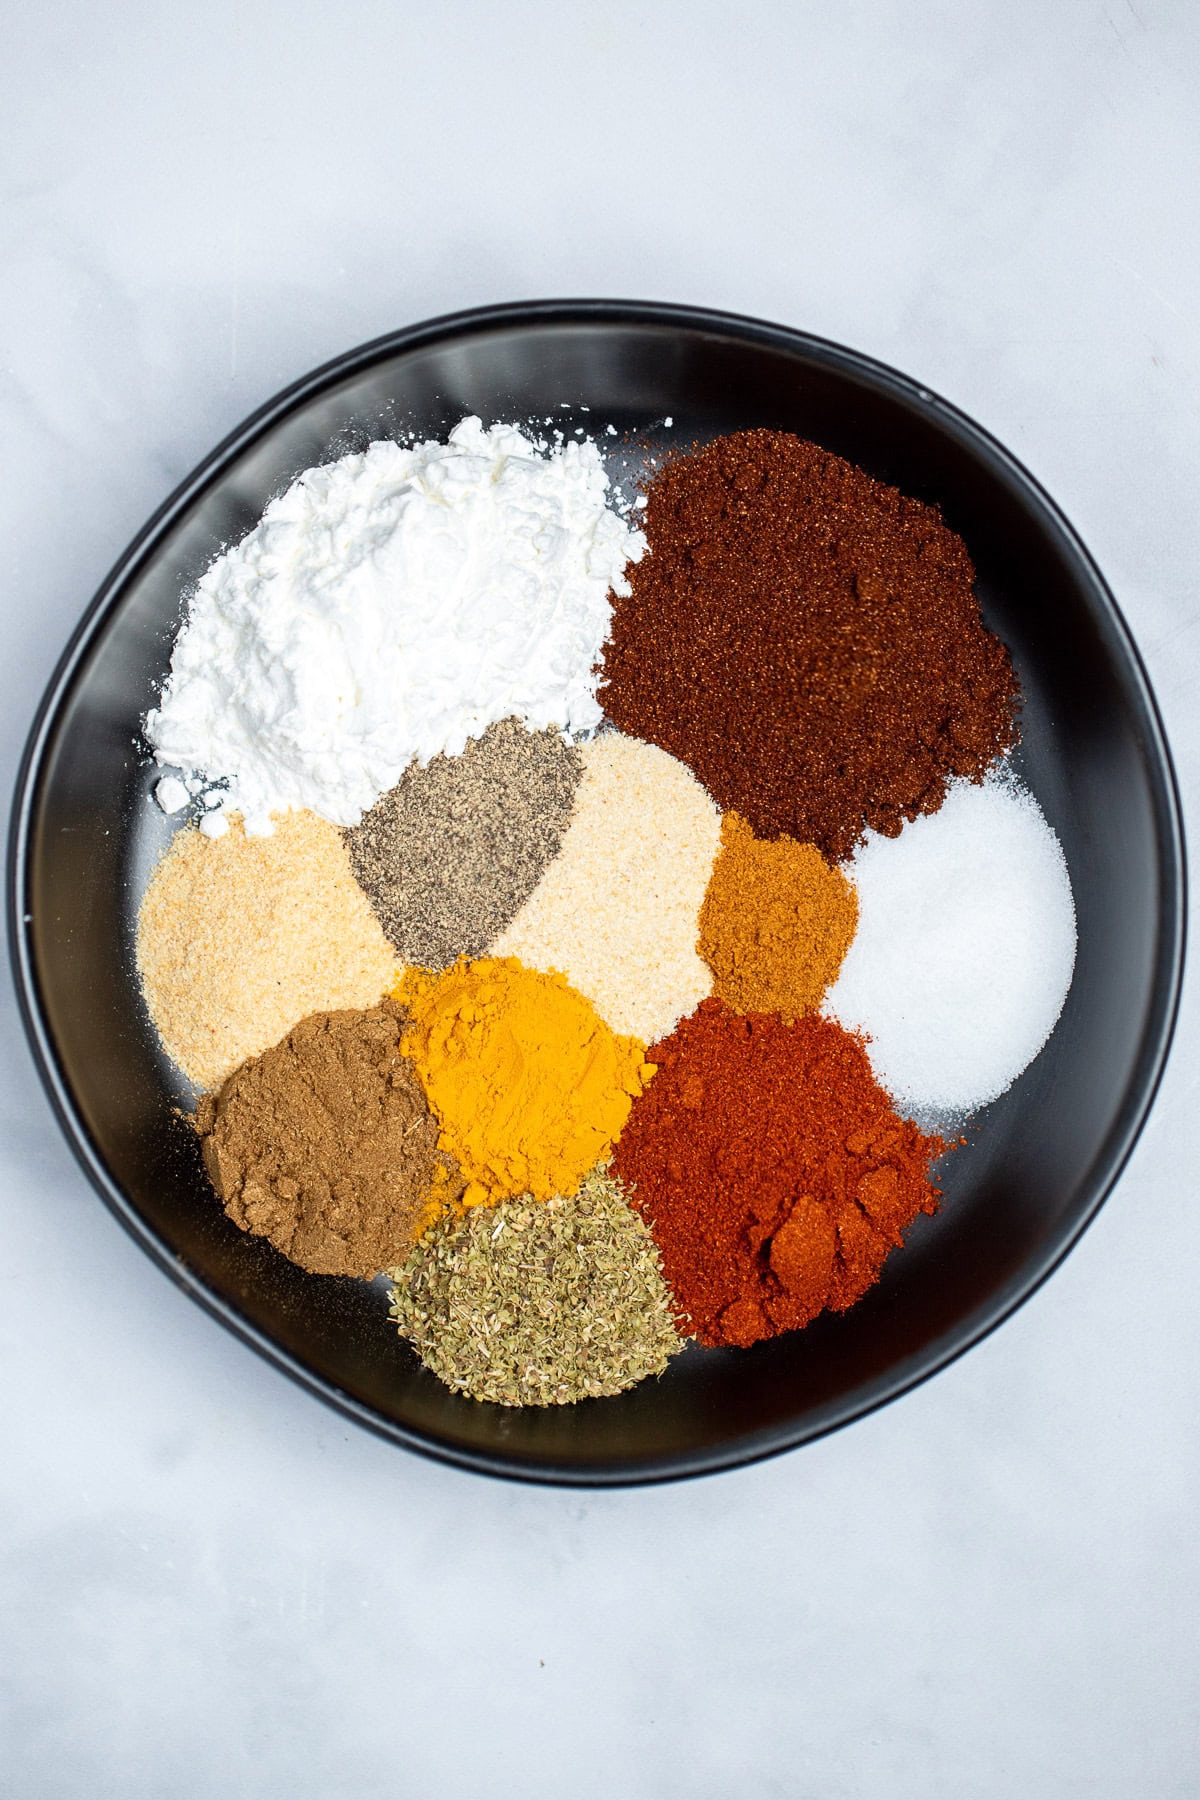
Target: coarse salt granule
point(617, 911)
point(240, 938)
point(391, 606)
point(964, 950)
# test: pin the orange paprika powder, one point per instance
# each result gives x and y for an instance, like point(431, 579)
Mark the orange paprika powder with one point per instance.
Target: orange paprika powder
point(772, 1169)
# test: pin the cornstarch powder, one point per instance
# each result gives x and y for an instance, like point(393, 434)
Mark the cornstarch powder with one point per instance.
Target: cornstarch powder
point(393, 605)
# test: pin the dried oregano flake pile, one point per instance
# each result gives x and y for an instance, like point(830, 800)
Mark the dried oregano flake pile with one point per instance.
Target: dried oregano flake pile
point(539, 1303)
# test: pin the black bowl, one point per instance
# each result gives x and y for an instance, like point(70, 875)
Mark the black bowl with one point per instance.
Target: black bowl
point(1040, 1160)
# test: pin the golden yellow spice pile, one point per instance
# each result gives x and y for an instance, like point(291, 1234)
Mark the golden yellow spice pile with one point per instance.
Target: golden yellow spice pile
point(530, 1086)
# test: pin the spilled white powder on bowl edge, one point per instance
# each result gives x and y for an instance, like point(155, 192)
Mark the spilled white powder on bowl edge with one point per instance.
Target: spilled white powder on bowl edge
point(617, 911)
point(964, 950)
point(391, 605)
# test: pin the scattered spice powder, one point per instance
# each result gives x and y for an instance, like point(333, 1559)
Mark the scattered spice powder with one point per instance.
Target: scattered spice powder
point(529, 1085)
point(241, 937)
point(617, 910)
point(776, 922)
point(808, 641)
point(451, 852)
point(539, 1304)
point(772, 1170)
point(326, 1145)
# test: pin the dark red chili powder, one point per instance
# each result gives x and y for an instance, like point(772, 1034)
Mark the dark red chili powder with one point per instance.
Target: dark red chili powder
point(807, 640)
point(772, 1170)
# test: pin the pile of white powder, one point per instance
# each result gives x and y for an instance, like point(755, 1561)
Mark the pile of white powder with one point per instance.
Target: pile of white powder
point(392, 605)
point(964, 950)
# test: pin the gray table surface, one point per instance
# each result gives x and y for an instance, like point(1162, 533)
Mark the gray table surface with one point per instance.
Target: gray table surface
point(211, 1585)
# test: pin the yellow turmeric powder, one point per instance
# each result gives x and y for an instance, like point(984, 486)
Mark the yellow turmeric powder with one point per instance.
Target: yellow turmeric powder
point(529, 1085)
point(776, 922)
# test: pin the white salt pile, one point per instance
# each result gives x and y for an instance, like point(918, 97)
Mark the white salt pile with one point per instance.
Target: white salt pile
point(965, 947)
point(617, 912)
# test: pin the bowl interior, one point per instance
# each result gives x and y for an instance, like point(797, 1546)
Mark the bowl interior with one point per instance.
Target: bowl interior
point(1039, 1159)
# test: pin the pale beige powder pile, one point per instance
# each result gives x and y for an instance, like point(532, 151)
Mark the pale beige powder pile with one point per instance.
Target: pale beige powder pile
point(239, 938)
point(617, 911)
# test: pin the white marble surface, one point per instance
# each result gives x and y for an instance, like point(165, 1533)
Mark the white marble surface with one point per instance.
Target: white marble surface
point(209, 1584)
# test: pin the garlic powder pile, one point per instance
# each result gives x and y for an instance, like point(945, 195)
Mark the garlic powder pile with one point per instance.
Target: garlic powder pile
point(393, 605)
point(239, 940)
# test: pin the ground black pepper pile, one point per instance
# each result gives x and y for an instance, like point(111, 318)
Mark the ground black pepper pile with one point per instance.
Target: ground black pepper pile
point(806, 640)
point(450, 854)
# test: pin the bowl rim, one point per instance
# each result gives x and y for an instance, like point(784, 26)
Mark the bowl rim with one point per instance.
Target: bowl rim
point(532, 315)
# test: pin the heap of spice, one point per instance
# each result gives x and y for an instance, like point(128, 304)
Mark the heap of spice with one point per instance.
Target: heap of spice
point(539, 1303)
point(776, 922)
point(557, 1206)
point(616, 910)
point(965, 950)
point(530, 1086)
point(239, 938)
point(772, 1169)
point(449, 854)
point(326, 1145)
point(808, 641)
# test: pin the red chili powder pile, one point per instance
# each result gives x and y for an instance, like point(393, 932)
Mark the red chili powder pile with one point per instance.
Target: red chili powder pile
point(772, 1170)
point(807, 641)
